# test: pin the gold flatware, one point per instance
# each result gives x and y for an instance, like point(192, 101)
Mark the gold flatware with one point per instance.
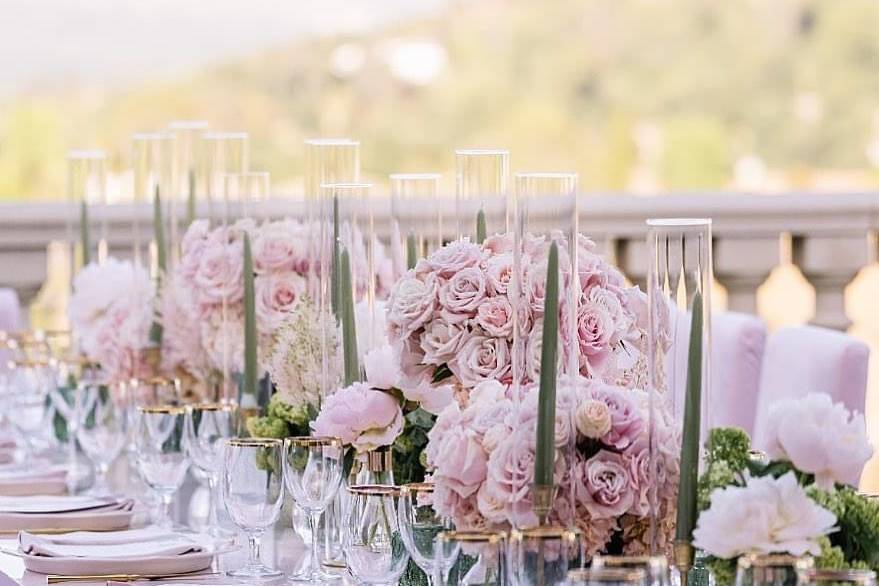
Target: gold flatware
point(58, 579)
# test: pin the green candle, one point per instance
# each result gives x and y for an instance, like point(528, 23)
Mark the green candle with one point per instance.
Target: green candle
point(544, 457)
point(349, 327)
point(335, 269)
point(250, 377)
point(686, 518)
point(480, 226)
point(84, 233)
point(190, 199)
point(161, 257)
point(411, 251)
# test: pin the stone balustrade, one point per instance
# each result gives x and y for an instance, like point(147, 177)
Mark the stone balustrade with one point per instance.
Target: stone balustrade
point(832, 237)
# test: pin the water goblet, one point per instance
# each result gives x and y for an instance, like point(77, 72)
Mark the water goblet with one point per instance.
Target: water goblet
point(771, 569)
point(420, 524)
point(373, 549)
point(655, 566)
point(313, 473)
point(208, 425)
point(607, 577)
point(253, 491)
point(102, 430)
point(813, 577)
point(29, 385)
point(543, 556)
point(488, 547)
point(161, 454)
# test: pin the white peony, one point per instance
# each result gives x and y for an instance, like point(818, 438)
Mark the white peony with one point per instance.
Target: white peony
point(382, 366)
point(768, 515)
point(819, 437)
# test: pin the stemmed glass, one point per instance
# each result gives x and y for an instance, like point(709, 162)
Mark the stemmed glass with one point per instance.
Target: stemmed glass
point(607, 577)
point(253, 490)
point(813, 577)
point(161, 454)
point(543, 556)
point(372, 545)
point(419, 526)
point(29, 383)
point(103, 429)
point(208, 425)
point(313, 472)
point(771, 569)
point(655, 566)
point(489, 548)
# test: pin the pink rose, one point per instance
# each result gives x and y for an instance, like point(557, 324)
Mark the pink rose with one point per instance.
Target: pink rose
point(361, 416)
point(595, 329)
point(625, 416)
point(441, 341)
point(499, 273)
point(276, 297)
point(511, 474)
point(220, 273)
point(603, 485)
point(495, 316)
point(279, 246)
point(481, 358)
point(411, 304)
point(460, 461)
point(461, 295)
point(454, 257)
point(499, 243)
point(535, 287)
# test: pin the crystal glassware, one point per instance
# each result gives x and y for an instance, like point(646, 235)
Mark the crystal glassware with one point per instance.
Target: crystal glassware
point(313, 473)
point(420, 524)
point(30, 382)
point(836, 577)
point(161, 454)
point(411, 194)
point(102, 429)
point(253, 491)
point(655, 567)
point(467, 558)
point(86, 188)
point(372, 545)
point(208, 425)
point(543, 556)
point(771, 569)
point(481, 177)
point(607, 577)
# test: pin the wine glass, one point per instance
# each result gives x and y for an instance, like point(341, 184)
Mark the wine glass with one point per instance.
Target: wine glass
point(607, 577)
point(103, 429)
point(161, 454)
point(771, 569)
point(543, 556)
point(29, 384)
point(813, 577)
point(654, 566)
point(313, 472)
point(253, 490)
point(208, 425)
point(454, 547)
point(372, 545)
point(420, 524)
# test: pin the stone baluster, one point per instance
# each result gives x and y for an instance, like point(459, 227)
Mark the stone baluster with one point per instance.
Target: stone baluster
point(742, 265)
point(830, 263)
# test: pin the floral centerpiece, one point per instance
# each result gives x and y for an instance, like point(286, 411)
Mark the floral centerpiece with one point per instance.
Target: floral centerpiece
point(802, 499)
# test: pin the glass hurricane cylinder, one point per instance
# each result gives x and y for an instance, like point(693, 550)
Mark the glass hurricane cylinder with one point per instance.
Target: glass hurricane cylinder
point(481, 177)
point(153, 167)
point(87, 194)
point(189, 176)
point(412, 195)
point(224, 152)
point(250, 191)
point(679, 280)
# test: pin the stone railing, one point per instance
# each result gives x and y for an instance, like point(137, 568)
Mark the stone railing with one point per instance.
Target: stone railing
point(831, 238)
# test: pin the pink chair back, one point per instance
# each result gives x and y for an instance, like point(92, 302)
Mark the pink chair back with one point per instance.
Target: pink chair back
point(804, 359)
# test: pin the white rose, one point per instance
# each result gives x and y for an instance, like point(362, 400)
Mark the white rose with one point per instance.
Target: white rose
point(592, 419)
point(412, 304)
point(819, 437)
point(494, 436)
point(768, 515)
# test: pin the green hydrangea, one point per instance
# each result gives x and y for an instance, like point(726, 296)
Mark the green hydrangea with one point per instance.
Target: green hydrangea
point(723, 571)
point(267, 427)
point(858, 520)
point(297, 417)
point(729, 445)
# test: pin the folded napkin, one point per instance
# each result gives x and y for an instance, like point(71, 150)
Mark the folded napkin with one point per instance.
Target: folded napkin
point(138, 551)
point(26, 478)
point(64, 513)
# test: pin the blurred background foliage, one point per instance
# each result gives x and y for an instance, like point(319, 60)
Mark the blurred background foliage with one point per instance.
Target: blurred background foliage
point(635, 95)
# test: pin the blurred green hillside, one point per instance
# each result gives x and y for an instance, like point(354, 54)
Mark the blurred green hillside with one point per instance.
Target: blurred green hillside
point(670, 94)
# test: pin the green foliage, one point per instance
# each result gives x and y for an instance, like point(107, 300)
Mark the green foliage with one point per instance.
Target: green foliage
point(409, 447)
point(281, 420)
point(724, 571)
point(858, 521)
point(726, 458)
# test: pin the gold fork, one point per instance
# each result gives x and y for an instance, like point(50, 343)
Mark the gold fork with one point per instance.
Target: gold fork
point(58, 579)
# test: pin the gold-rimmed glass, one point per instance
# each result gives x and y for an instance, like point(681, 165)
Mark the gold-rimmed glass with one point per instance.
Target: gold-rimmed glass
point(373, 549)
point(607, 577)
point(161, 455)
point(813, 577)
point(655, 567)
point(420, 524)
point(102, 428)
point(543, 556)
point(208, 426)
point(771, 569)
point(30, 382)
point(253, 491)
point(313, 473)
point(489, 548)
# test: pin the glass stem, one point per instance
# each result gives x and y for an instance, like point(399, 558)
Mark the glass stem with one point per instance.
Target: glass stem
point(313, 521)
point(253, 540)
point(167, 498)
point(213, 520)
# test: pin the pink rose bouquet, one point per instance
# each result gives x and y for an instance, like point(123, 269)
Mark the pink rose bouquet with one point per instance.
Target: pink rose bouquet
point(481, 457)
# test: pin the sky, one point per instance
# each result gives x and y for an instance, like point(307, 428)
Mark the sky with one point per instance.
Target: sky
point(48, 42)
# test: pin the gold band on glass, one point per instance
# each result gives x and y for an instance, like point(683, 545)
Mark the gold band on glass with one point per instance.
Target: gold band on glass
point(228, 407)
point(606, 575)
point(162, 409)
point(417, 487)
point(490, 537)
point(309, 441)
point(254, 442)
point(545, 532)
point(374, 490)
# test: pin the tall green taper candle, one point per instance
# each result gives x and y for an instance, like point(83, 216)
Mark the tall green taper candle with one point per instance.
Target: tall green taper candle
point(411, 251)
point(480, 227)
point(544, 457)
point(686, 518)
point(190, 199)
point(161, 257)
point(349, 327)
point(335, 270)
point(250, 377)
point(84, 233)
